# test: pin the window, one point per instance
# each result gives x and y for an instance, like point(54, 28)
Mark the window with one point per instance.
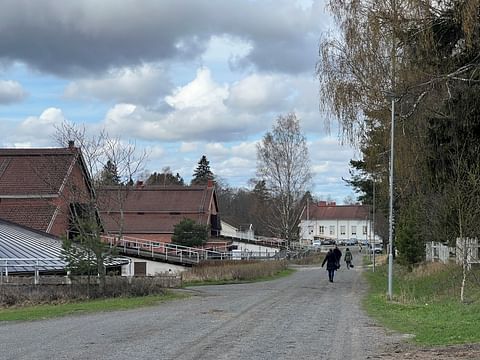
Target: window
point(342, 229)
point(321, 229)
point(354, 230)
point(364, 230)
point(332, 230)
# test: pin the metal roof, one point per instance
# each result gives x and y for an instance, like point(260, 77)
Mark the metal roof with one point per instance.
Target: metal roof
point(24, 250)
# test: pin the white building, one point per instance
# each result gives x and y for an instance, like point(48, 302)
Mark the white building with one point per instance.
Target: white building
point(326, 220)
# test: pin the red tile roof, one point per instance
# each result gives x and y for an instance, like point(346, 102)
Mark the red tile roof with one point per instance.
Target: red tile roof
point(36, 214)
point(154, 209)
point(37, 172)
point(338, 212)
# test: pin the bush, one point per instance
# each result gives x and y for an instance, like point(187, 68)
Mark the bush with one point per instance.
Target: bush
point(188, 233)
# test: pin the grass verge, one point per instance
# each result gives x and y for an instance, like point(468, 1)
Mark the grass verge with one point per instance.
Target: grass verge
point(426, 304)
point(47, 311)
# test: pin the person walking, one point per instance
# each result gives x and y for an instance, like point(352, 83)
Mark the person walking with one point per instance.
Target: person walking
point(331, 260)
point(348, 258)
point(338, 254)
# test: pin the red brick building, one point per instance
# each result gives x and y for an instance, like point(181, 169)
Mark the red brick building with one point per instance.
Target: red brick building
point(38, 187)
point(151, 212)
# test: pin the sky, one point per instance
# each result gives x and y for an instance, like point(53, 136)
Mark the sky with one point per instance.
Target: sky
point(179, 78)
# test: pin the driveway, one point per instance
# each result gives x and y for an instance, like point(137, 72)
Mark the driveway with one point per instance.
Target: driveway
point(302, 316)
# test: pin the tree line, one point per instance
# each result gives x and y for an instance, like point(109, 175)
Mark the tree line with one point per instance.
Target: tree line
point(425, 56)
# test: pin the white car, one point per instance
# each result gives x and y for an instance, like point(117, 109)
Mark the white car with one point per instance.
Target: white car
point(377, 248)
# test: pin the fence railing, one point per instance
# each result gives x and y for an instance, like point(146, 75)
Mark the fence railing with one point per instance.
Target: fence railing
point(164, 251)
point(28, 265)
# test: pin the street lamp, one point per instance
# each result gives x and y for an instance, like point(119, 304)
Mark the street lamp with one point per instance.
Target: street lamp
point(390, 206)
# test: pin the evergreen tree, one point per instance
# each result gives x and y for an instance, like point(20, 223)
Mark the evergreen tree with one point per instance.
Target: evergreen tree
point(202, 173)
point(165, 178)
point(109, 174)
point(188, 233)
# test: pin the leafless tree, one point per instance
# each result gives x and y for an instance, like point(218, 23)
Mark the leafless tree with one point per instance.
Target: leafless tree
point(96, 151)
point(283, 162)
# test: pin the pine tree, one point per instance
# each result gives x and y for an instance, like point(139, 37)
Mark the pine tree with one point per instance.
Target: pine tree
point(202, 173)
point(109, 174)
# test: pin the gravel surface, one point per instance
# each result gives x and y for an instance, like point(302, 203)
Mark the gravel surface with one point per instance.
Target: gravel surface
point(302, 316)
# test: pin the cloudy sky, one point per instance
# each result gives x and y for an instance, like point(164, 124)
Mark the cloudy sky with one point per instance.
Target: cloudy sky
point(181, 78)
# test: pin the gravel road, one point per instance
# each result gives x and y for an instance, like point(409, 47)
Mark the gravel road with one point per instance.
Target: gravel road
point(302, 316)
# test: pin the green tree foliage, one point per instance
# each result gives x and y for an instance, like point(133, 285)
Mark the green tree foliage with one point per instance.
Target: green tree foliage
point(188, 233)
point(165, 178)
point(109, 174)
point(202, 172)
point(427, 54)
point(410, 245)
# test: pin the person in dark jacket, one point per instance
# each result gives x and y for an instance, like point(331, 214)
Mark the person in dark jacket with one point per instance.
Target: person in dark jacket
point(331, 261)
point(338, 255)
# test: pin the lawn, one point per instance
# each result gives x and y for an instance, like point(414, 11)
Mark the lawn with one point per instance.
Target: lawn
point(426, 303)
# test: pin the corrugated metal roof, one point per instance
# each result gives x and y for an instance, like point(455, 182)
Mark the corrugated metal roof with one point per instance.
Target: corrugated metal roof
point(17, 242)
point(26, 249)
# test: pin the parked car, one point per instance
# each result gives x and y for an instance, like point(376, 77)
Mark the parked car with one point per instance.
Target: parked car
point(316, 243)
point(377, 248)
point(351, 242)
point(328, 242)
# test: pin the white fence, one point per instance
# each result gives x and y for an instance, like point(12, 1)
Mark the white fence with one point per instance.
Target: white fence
point(467, 249)
point(437, 252)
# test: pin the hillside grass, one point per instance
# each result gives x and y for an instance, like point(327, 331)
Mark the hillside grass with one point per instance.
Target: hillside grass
point(426, 303)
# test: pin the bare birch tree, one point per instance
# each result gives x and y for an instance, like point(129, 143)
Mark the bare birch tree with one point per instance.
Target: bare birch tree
point(283, 162)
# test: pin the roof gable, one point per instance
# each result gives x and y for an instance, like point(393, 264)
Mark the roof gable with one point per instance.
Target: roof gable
point(34, 172)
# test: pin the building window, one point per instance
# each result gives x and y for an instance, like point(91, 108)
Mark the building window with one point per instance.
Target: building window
point(342, 229)
point(321, 229)
point(364, 230)
point(332, 230)
point(354, 230)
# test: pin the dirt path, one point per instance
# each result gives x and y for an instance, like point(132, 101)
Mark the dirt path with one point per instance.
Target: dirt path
point(302, 316)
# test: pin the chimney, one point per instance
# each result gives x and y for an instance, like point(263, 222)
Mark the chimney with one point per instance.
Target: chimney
point(322, 203)
point(71, 144)
point(139, 184)
point(209, 183)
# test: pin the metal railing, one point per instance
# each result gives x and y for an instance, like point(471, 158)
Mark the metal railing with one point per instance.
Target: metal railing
point(163, 251)
point(28, 265)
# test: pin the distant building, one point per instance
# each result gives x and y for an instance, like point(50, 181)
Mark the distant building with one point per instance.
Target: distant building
point(150, 212)
point(327, 220)
point(39, 187)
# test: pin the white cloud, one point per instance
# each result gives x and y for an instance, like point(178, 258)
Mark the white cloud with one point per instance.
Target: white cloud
point(216, 149)
point(260, 93)
point(145, 85)
point(200, 93)
point(188, 147)
point(11, 92)
point(41, 126)
point(198, 113)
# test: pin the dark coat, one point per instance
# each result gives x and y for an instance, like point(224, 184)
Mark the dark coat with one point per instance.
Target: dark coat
point(338, 254)
point(331, 261)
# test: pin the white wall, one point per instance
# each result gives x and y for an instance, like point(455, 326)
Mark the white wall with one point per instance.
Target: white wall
point(255, 248)
point(311, 228)
point(153, 267)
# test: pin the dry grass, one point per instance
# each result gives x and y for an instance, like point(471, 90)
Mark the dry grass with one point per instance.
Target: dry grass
point(234, 271)
point(27, 295)
point(428, 269)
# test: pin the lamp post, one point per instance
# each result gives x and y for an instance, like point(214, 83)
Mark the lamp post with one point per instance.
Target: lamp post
point(390, 206)
point(373, 224)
